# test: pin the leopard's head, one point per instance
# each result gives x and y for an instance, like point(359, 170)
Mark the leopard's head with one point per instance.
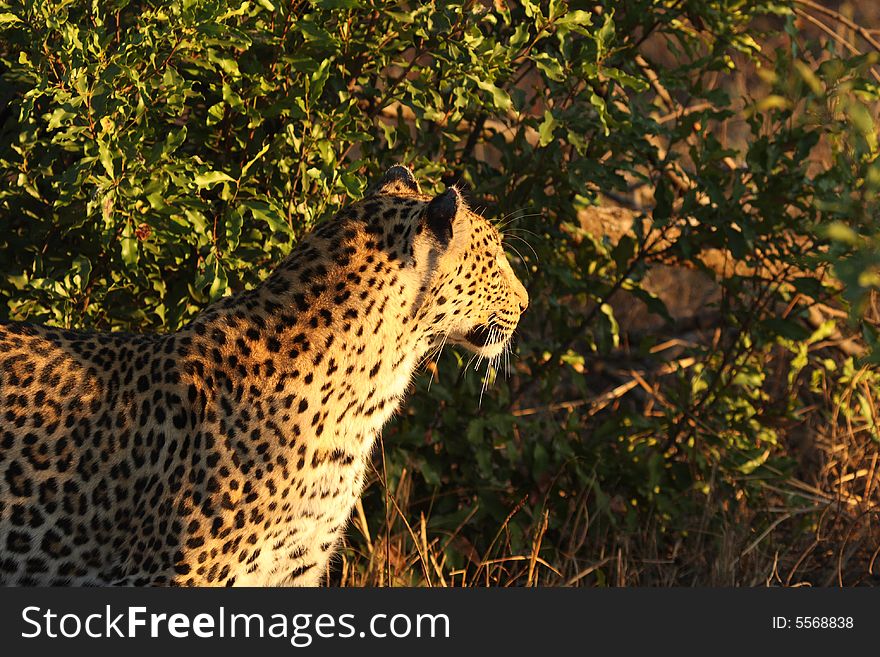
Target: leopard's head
point(470, 292)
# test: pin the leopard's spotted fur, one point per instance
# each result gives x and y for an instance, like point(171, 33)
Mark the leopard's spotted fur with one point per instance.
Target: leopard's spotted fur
point(232, 451)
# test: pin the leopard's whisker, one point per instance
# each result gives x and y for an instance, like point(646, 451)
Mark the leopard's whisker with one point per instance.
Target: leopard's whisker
point(508, 218)
point(519, 255)
point(514, 216)
point(436, 357)
point(529, 246)
point(520, 229)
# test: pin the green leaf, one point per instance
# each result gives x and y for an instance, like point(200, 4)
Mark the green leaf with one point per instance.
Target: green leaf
point(576, 18)
point(753, 464)
point(337, 4)
point(59, 117)
point(612, 327)
point(226, 63)
point(264, 212)
point(105, 158)
point(549, 66)
point(474, 433)
point(211, 178)
point(231, 98)
point(520, 36)
point(662, 200)
point(129, 246)
point(602, 111)
point(81, 270)
point(840, 232)
point(790, 328)
point(233, 223)
point(220, 284)
point(625, 79)
point(809, 286)
point(653, 303)
point(319, 78)
point(354, 186)
point(197, 220)
point(500, 98)
point(174, 141)
point(623, 252)
point(545, 131)
point(533, 10)
point(256, 157)
point(605, 36)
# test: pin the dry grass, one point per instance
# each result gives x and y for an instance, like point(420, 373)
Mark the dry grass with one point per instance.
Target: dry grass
point(822, 529)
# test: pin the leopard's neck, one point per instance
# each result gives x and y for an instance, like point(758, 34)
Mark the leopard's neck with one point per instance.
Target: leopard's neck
point(331, 337)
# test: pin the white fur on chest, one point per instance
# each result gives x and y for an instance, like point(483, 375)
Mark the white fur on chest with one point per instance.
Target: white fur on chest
point(318, 513)
point(320, 505)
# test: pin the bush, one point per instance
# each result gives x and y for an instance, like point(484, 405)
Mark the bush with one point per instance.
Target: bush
point(158, 156)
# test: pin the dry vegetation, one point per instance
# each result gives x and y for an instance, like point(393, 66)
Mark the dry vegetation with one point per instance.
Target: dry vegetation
point(830, 538)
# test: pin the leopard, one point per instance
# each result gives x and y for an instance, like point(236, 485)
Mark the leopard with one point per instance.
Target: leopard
point(232, 452)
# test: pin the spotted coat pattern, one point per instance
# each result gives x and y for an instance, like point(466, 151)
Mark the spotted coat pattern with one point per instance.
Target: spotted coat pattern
point(232, 452)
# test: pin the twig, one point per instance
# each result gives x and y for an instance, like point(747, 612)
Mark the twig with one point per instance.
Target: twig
point(587, 571)
point(536, 547)
point(835, 36)
point(601, 401)
point(836, 15)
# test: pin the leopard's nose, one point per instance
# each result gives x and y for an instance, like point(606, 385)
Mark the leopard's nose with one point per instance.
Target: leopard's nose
point(522, 297)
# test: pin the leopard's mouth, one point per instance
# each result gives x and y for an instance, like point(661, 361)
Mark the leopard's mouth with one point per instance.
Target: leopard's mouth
point(485, 335)
point(487, 340)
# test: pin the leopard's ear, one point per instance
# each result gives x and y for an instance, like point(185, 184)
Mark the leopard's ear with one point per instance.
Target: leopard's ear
point(441, 216)
point(398, 178)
